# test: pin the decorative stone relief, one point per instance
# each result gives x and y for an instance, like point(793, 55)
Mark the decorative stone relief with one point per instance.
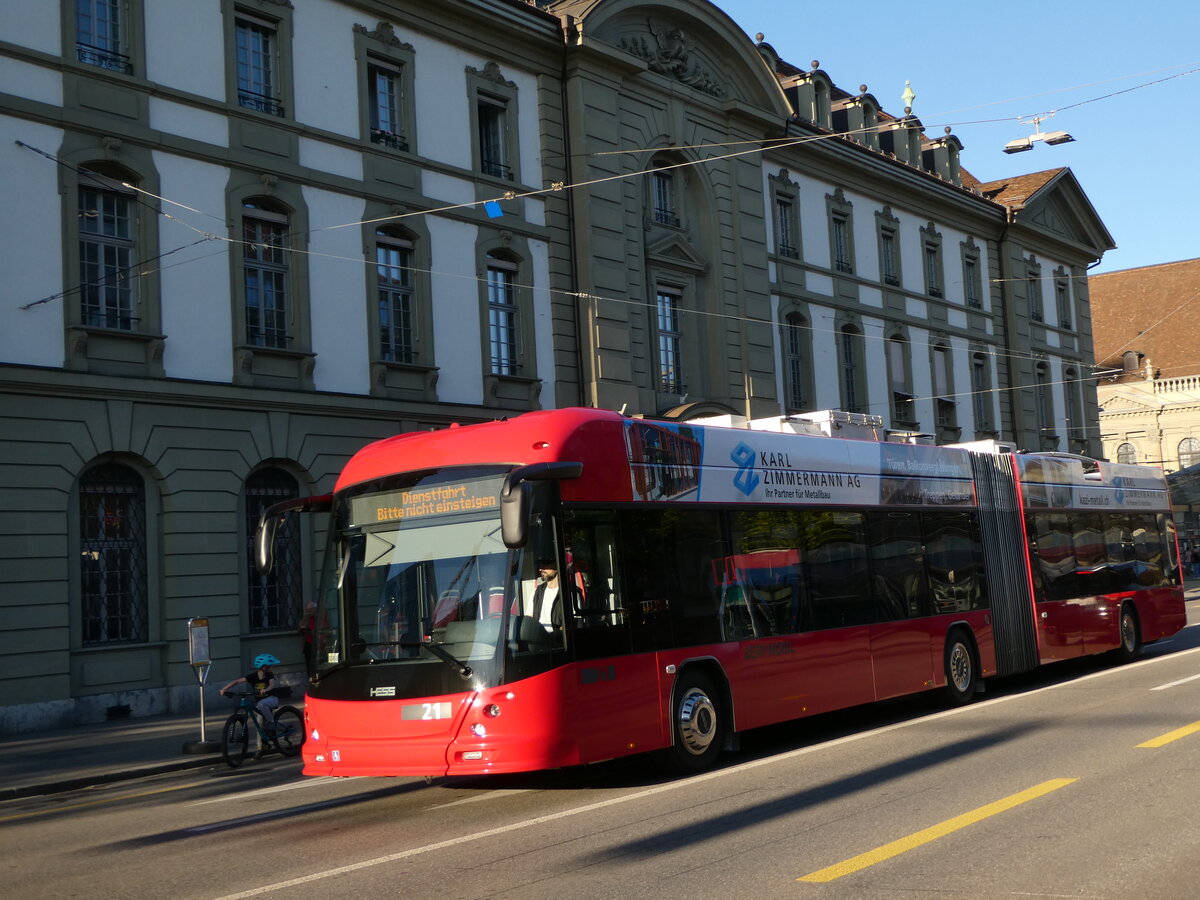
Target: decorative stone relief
point(491, 72)
point(671, 57)
point(385, 34)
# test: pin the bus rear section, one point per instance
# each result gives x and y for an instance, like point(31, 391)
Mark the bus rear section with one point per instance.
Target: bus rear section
point(1104, 558)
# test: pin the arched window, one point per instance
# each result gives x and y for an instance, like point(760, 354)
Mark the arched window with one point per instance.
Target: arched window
point(981, 396)
point(1127, 454)
point(397, 308)
point(662, 182)
point(898, 372)
point(945, 406)
point(112, 544)
point(1045, 408)
point(1076, 430)
point(275, 598)
point(795, 344)
point(503, 315)
point(853, 395)
point(1189, 452)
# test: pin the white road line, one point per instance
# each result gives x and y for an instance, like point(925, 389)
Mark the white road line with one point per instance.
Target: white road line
point(675, 785)
point(1163, 687)
point(291, 786)
point(490, 795)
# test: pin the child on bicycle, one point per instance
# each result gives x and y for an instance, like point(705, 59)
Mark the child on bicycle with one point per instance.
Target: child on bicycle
point(260, 680)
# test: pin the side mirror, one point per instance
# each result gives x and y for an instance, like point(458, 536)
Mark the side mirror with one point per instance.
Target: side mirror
point(514, 497)
point(272, 518)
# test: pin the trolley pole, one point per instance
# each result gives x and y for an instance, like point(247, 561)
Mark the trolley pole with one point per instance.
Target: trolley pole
point(198, 658)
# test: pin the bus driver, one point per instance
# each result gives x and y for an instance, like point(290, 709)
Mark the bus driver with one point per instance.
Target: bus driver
point(546, 603)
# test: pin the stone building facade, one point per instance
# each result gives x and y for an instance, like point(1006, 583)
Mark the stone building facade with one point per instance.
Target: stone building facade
point(1148, 363)
point(258, 234)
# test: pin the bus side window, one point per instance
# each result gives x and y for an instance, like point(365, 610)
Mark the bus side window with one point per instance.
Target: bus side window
point(600, 621)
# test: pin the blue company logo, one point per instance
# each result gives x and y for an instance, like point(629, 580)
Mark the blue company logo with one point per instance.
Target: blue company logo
point(745, 480)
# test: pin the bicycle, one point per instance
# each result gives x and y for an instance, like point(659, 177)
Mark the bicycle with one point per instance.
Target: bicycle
point(287, 736)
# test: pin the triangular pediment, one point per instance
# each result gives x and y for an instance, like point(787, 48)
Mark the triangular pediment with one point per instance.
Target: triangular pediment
point(1062, 209)
point(1122, 401)
point(1053, 203)
point(675, 251)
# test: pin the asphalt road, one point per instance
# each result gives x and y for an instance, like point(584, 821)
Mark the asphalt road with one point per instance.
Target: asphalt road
point(1080, 780)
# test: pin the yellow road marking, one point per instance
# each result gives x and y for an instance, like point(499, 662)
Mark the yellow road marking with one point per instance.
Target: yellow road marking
point(1175, 735)
point(57, 809)
point(925, 836)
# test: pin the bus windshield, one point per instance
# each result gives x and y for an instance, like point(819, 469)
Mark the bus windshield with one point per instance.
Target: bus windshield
point(418, 581)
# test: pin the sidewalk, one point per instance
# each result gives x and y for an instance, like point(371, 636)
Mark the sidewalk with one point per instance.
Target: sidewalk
point(47, 762)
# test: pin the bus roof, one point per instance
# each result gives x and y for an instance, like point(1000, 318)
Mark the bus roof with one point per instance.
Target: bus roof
point(591, 436)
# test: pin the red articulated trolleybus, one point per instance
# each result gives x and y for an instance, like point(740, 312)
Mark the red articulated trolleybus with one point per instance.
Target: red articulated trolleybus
point(575, 585)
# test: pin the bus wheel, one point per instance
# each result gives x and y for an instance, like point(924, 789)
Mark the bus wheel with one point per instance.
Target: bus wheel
point(1131, 635)
point(962, 675)
point(698, 724)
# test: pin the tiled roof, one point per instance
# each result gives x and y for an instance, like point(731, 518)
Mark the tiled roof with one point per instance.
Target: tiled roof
point(1016, 190)
point(1152, 310)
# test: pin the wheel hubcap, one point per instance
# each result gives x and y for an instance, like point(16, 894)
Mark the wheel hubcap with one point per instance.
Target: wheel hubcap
point(1127, 631)
point(960, 667)
point(697, 721)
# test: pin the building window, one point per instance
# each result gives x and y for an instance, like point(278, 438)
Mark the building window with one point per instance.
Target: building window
point(112, 543)
point(1189, 452)
point(663, 184)
point(946, 409)
point(785, 225)
point(1045, 408)
point(795, 342)
point(889, 259)
point(933, 270)
point(107, 227)
point(265, 273)
point(971, 283)
point(100, 38)
point(981, 392)
point(670, 337)
point(898, 370)
point(1075, 425)
point(384, 86)
point(502, 315)
point(397, 313)
point(257, 65)
point(842, 258)
point(1033, 282)
point(492, 116)
point(1127, 454)
point(275, 598)
point(853, 395)
point(1062, 301)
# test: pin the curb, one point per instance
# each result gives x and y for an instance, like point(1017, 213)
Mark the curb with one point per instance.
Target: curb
point(80, 782)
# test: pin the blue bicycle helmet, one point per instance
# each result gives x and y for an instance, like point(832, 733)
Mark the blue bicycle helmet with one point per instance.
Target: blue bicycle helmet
point(265, 659)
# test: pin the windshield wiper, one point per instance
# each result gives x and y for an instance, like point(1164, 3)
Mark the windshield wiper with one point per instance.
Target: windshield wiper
point(441, 653)
point(463, 669)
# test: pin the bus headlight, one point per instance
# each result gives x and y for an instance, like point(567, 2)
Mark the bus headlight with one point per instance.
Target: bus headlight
point(479, 730)
point(491, 710)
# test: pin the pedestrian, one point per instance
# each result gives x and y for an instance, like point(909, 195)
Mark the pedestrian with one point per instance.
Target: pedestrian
point(1194, 561)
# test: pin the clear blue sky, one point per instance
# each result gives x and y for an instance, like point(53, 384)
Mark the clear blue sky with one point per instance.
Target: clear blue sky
point(1134, 154)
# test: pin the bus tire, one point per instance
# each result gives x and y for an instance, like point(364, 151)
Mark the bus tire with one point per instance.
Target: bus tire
point(1130, 634)
point(698, 724)
point(962, 672)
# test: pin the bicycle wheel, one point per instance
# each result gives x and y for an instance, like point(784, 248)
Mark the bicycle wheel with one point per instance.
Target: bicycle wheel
point(289, 730)
point(235, 739)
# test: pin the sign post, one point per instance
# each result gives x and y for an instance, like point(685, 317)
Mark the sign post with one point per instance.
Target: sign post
point(200, 661)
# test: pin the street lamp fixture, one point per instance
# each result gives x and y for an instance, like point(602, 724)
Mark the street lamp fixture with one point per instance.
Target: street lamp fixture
point(1020, 145)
